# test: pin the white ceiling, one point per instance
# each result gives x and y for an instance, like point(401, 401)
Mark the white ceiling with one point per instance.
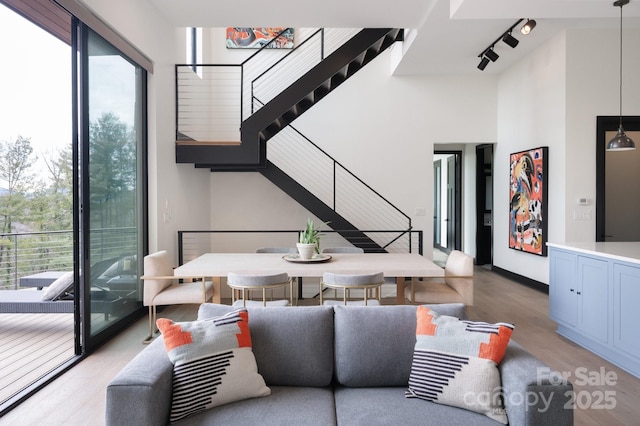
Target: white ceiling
point(450, 34)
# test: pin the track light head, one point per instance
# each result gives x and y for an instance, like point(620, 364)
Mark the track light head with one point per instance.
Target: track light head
point(528, 26)
point(491, 54)
point(510, 40)
point(483, 63)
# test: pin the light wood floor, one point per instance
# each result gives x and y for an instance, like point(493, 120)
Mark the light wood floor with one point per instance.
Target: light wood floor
point(78, 397)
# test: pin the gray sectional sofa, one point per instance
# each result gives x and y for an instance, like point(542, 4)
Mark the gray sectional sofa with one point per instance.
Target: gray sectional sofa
point(334, 365)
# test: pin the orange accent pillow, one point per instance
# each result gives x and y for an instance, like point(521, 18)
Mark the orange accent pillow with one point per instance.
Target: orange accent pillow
point(213, 363)
point(455, 363)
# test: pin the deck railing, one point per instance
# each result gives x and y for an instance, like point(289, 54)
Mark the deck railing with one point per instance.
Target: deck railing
point(27, 253)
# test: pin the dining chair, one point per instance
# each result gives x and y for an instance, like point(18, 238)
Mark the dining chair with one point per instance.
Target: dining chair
point(347, 282)
point(277, 250)
point(455, 287)
point(345, 249)
point(246, 283)
point(162, 287)
point(283, 250)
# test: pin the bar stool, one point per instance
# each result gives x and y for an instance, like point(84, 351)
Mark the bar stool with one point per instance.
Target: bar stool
point(347, 282)
point(245, 283)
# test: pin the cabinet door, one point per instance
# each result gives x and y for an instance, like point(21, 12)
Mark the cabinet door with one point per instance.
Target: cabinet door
point(563, 303)
point(626, 294)
point(593, 297)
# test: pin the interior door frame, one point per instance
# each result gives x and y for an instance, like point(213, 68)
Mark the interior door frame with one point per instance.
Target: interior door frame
point(606, 124)
point(457, 199)
point(483, 257)
point(437, 201)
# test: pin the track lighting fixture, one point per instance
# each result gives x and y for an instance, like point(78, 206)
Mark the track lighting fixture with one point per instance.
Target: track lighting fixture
point(510, 40)
point(528, 26)
point(489, 53)
point(483, 63)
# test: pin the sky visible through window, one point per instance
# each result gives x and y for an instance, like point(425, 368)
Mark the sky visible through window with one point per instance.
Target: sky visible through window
point(35, 86)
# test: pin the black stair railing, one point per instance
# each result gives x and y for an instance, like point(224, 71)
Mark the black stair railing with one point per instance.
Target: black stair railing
point(340, 189)
point(262, 79)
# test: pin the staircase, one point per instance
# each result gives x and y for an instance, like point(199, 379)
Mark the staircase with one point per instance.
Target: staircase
point(263, 124)
point(272, 116)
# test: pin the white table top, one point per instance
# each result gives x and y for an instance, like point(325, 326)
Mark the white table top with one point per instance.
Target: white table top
point(390, 264)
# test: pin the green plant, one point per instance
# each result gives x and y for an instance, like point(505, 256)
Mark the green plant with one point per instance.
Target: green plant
point(311, 235)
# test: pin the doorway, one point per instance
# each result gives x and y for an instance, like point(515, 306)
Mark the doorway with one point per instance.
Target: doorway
point(484, 204)
point(447, 203)
point(617, 174)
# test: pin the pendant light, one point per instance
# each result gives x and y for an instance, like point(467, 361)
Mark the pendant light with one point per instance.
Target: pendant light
point(621, 142)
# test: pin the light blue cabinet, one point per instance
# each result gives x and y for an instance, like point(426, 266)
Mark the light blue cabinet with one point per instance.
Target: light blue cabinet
point(626, 295)
point(594, 299)
point(563, 298)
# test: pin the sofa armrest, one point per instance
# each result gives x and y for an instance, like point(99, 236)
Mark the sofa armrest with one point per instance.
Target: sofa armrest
point(140, 394)
point(533, 394)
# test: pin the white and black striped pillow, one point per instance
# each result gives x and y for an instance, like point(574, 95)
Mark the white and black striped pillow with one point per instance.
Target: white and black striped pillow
point(213, 363)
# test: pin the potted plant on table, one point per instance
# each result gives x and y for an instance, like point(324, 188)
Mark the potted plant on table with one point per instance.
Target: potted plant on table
point(309, 241)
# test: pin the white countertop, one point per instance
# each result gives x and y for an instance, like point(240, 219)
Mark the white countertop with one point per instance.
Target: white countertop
point(624, 251)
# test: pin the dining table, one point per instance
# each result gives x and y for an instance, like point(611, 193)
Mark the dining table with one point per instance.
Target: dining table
point(398, 265)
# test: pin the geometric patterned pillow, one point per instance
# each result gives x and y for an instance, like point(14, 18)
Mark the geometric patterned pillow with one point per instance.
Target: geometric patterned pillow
point(213, 363)
point(455, 363)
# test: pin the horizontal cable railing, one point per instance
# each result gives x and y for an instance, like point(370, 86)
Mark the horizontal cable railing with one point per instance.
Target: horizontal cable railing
point(307, 54)
point(193, 243)
point(212, 100)
point(28, 253)
point(338, 188)
point(262, 77)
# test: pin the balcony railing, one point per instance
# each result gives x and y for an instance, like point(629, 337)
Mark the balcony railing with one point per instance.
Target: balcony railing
point(28, 253)
point(212, 100)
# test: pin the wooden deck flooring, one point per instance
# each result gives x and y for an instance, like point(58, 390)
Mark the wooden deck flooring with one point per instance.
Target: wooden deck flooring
point(31, 345)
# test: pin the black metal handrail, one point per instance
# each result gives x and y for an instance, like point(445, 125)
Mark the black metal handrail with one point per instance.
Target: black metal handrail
point(25, 253)
point(381, 213)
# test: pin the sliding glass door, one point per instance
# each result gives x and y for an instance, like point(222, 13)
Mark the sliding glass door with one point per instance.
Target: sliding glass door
point(111, 154)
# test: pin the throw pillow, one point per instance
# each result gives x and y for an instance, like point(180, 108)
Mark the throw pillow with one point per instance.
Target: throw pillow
point(60, 288)
point(455, 362)
point(213, 363)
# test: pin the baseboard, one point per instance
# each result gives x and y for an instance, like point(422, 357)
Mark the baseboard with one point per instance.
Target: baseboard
point(521, 279)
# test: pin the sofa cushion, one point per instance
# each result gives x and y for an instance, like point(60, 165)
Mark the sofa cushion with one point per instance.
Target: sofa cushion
point(292, 346)
point(290, 405)
point(361, 360)
point(213, 363)
point(455, 363)
point(388, 406)
point(60, 288)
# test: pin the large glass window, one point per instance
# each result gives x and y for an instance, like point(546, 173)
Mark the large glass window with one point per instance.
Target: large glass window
point(113, 140)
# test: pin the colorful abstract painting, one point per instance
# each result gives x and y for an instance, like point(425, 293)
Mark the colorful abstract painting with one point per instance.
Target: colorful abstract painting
point(528, 201)
point(256, 38)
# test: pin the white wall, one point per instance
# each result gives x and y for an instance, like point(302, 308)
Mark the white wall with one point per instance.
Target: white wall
point(593, 89)
point(531, 113)
point(383, 128)
point(552, 98)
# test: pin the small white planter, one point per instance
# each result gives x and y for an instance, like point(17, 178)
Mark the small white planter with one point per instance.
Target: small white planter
point(306, 250)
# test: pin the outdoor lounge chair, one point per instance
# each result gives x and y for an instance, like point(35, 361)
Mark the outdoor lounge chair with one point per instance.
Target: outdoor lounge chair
point(109, 293)
point(30, 302)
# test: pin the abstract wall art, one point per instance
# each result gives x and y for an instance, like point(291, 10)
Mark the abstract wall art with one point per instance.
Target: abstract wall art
point(256, 38)
point(528, 201)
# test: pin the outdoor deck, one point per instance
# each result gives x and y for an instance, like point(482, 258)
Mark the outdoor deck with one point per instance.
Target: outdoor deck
point(31, 345)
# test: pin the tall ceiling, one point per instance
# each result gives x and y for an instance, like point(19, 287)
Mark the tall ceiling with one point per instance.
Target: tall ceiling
point(449, 34)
